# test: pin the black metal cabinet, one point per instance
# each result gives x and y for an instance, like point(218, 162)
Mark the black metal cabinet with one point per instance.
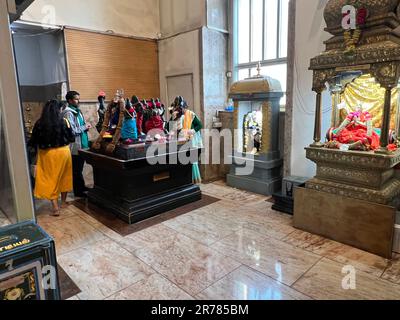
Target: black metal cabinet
point(28, 265)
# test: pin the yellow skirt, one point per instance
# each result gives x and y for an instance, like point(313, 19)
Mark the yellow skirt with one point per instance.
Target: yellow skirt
point(53, 173)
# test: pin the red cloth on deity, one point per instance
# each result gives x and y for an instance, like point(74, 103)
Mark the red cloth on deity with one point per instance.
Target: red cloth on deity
point(153, 123)
point(392, 147)
point(139, 122)
point(355, 132)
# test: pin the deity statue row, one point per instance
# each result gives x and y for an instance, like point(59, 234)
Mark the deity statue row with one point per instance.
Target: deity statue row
point(131, 121)
point(135, 117)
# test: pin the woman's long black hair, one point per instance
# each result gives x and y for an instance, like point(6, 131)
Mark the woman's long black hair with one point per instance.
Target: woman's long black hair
point(50, 125)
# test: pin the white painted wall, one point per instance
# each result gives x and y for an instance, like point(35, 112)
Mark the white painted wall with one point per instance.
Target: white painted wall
point(310, 36)
point(134, 17)
point(178, 16)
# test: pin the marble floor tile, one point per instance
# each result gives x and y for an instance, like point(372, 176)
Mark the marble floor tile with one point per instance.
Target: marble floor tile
point(247, 284)
point(272, 257)
point(325, 282)
point(234, 249)
point(220, 205)
point(243, 218)
point(204, 228)
point(268, 214)
point(221, 209)
point(43, 216)
point(103, 269)
point(311, 242)
point(278, 217)
point(267, 227)
point(74, 298)
point(392, 272)
point(227, 193)
point(71, 233)
point(154, 287)
point(261, 205)
point(361, 260)
point(146, 238)
point(187, 263)
point(96, 224)
point(338, 252)
point(78, 212)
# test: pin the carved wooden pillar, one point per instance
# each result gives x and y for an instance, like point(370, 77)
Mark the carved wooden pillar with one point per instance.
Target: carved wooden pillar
point(386, 121)
point(318, 120)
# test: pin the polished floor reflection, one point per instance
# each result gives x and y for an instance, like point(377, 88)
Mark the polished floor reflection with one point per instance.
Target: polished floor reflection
point(235, 249)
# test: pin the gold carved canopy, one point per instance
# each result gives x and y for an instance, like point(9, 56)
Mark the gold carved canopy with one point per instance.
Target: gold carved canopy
point(375, 45)
point(255, 85)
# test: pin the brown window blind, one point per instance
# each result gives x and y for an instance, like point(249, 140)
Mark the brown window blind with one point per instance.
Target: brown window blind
point(107, 62)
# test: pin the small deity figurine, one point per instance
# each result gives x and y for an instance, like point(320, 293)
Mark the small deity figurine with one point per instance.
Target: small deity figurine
point(111, 132)
point(146, 114)
point(112, 127)
point(114, 108)
point(160, 107)
point(155, 120)
point(101, 110)
point(139, 109)
point(129, 132)
point(257, 139)
point(187, 124)
point(355, 133)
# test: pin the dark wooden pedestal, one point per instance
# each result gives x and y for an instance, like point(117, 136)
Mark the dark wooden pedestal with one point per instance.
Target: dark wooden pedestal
point(135, 190)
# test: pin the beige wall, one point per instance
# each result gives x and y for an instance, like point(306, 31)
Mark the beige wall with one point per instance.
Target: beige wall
point(217, 14)
point(134, 17)
point(178, 16)
point(180, 55)
point(193, 44)
point(310, 36)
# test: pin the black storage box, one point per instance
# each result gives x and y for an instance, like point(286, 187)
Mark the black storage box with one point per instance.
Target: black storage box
point(28, 266)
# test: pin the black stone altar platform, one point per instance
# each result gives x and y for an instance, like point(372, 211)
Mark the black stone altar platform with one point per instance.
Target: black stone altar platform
point(135, 190)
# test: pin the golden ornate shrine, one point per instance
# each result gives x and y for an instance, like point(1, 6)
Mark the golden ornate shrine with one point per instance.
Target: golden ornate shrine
point(376, 54)
point(368, 74)
point(362, 68)
point(260, 95)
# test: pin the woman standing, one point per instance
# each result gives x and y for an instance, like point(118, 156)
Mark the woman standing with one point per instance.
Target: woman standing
point(52, 135)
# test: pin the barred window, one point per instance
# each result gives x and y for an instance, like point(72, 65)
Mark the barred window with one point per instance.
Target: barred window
point(261, 35)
